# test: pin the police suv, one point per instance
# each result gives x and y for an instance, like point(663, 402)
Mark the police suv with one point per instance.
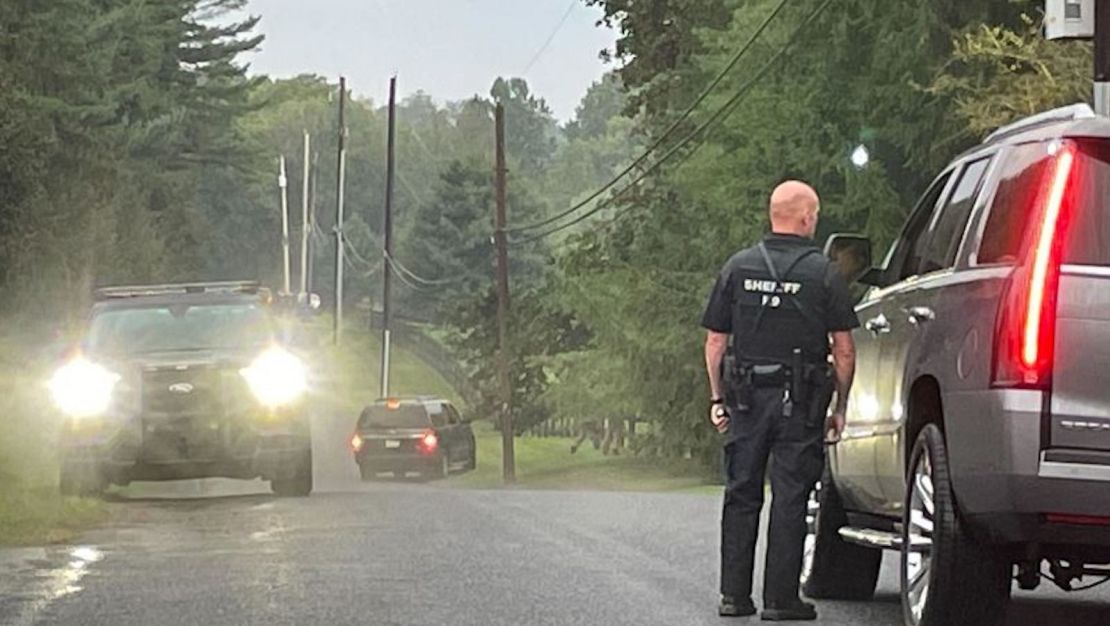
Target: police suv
point(183, 381)
point(978, 435)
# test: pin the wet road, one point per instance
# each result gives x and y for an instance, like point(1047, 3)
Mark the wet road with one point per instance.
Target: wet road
point(224, 552)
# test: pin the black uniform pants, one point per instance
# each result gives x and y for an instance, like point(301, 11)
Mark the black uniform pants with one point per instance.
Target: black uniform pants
point(797, 455)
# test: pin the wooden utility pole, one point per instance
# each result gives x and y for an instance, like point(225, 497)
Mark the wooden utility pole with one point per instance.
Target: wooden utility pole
point(340, 184)
point(508, 456)
point(387, 236)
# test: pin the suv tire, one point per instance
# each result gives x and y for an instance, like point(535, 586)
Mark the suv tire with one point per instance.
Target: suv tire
point(838, 570)
point(300, 484)
point(952, 578)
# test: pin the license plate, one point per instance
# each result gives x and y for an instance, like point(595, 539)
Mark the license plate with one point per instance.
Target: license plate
point(393, 443)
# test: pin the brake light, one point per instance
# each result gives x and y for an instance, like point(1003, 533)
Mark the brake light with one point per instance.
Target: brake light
point(429, 441)
point(393, 404)
point(356, 443)
point(1026, 324)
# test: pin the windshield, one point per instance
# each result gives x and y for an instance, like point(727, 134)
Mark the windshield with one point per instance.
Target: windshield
point(404, 416)
point(177, 328)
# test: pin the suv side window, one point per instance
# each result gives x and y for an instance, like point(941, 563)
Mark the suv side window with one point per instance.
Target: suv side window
point(438, 415)
point(910, 248)
point(453, 415)
point(951, 222)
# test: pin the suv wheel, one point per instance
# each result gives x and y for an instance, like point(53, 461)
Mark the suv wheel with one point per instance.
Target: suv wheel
point(834, 569)
point(947, 576)
point(300, 484)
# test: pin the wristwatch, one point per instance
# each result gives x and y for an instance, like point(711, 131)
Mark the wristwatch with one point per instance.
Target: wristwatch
point(716, 401)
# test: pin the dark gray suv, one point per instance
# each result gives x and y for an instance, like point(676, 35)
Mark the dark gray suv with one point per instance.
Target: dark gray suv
point(978, 437)
point(183, 381)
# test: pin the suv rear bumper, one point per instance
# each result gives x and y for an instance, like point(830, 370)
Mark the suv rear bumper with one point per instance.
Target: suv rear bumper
point(1005, 487)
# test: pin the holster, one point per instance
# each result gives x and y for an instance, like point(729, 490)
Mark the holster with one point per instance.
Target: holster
point(820, 383)
point(811, 386)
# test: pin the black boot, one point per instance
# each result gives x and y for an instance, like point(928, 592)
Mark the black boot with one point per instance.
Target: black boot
point(798, 612)
point(731, 607)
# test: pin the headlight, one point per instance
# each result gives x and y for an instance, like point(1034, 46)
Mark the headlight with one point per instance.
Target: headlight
point(82, 388)
point(276, 377)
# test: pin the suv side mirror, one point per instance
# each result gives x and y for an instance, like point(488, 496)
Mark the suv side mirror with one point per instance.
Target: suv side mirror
point(851, 254)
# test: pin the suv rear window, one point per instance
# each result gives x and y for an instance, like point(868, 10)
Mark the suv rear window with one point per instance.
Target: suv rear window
point(404, 416)
point(1022, 180)
point(1088, 240)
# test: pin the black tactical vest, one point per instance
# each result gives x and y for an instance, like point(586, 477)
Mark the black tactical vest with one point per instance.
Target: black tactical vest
point(780, 301)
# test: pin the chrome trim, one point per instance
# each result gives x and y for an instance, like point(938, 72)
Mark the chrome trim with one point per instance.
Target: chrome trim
point(1073, 471)
point(1100, 271)
point(871, 538)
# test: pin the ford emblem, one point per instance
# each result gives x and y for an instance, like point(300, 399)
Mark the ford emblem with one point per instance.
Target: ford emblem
point(181, 388)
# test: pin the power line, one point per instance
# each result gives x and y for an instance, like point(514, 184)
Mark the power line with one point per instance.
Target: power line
point(352, 252)
point(551, 37)
point(722, 112)
point(669, 131)
point(416, 277)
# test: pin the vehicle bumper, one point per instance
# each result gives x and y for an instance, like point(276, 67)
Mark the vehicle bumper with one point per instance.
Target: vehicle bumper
point(126, 448)
point(400, 463)
point(1004, 486)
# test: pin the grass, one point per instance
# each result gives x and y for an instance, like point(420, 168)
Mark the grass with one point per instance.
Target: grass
point(37, 516)
point(352, 375)
point(547, 463)
point(31, 511)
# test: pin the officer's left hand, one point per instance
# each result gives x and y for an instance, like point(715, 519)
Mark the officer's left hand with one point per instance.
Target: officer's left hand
point(718, 415)
point(834, 427)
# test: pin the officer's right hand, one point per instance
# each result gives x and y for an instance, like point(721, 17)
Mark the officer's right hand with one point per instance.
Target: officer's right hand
point(718, 416)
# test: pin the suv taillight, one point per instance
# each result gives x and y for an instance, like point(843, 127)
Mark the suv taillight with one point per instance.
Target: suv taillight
point(428, 442)
point(1026, 323)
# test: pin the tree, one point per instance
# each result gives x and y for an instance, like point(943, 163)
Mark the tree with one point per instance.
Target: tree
point(530, 130)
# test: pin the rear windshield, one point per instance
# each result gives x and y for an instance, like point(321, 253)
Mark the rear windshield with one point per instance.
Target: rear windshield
point(1023, 178)
point(1088, 241)
point(404, 416)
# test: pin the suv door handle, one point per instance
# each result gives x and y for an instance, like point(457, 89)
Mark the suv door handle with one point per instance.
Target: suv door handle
point(878, 325)
point(920, 314)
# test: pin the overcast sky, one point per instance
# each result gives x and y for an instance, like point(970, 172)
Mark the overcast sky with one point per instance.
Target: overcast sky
point(450, 49)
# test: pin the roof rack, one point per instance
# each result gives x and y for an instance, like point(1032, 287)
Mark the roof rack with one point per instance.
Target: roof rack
point(1073, 113)
point(138, 291)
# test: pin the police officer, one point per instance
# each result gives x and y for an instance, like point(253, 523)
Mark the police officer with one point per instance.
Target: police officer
point(784, 304)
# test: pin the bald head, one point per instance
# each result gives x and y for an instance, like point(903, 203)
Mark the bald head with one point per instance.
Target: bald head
point(794, 207)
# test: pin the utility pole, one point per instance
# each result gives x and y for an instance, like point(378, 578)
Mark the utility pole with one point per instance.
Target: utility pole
point(1102, 57)
point(283, 183)
point(339, 187)
point(311, 268)
point(387, 230)
point(306, 224)
point(1085, 20)
point(508, 453)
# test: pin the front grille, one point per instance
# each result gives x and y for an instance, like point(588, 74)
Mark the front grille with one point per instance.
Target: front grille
point(194, 392)
point(189, 413)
